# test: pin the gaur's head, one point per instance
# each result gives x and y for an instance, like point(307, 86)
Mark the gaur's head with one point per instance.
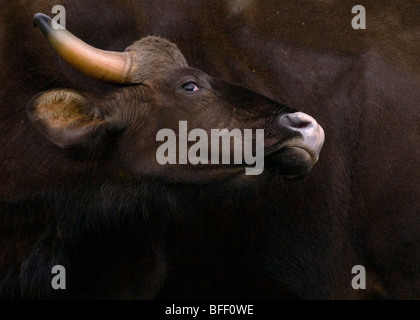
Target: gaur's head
point(159, 101)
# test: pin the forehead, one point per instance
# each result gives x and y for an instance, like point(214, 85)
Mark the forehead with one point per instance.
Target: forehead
point(188, 74)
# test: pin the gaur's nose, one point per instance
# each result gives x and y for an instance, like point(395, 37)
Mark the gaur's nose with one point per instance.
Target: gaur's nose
point(299, 121)
point(312, 133)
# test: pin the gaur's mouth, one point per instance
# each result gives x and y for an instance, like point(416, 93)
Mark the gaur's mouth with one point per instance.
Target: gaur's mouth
point(291, 160)
point(302, 149)
point(306, 152)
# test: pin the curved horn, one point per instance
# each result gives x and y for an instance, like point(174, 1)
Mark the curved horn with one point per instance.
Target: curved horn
point(109, 66)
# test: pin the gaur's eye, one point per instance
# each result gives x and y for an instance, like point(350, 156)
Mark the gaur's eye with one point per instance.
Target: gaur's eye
point(190, 87)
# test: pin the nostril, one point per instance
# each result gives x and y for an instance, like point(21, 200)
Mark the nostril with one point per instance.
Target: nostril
point(302, 124)
point(297, 120)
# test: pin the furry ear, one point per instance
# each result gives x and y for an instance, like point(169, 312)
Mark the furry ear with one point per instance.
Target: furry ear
point(66, 118)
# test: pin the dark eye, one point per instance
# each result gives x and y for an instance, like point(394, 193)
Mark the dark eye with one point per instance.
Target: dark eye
point(190, 87)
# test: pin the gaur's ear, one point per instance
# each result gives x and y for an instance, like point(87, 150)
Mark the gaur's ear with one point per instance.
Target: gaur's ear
point(66, 118)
